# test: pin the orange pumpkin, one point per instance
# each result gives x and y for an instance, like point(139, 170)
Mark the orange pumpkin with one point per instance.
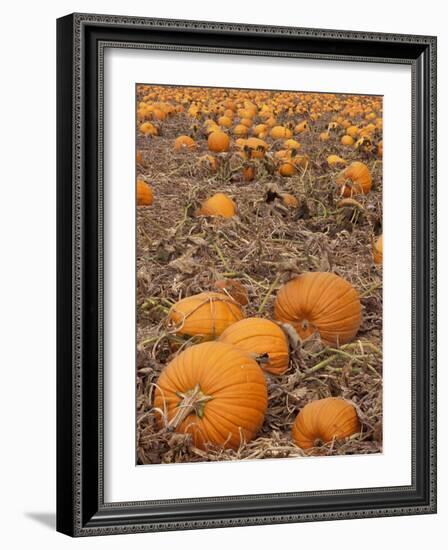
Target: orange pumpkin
point(240, 130)
point(334, 160)
point(279, 132)
point(248, 173)
point(323, 421)
point(218, 142)
point(225, 121)
point(205, 315)
point(214, 392)
point(145, 195)
point(255, 147)
point(218, 205)
point(290, 200)
point(355, 180)
point(320, 302)
point(184, 142)
point(287, 169)
point(261, 338)
point(378, 250)
point(347, 140)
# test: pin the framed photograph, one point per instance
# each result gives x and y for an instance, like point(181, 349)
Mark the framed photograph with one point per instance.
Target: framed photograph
point(237, 344)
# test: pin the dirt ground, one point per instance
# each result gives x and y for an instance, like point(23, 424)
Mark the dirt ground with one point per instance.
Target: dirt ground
point(265, 245)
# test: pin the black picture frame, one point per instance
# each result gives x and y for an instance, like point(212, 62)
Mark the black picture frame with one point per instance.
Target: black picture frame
point(81, 39)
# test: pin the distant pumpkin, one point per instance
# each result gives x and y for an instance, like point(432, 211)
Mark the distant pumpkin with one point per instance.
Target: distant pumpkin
point(218, 142)
point(184, 142)
point(219, 204)
point(145, 195)
point(378, 250)
point(355, 180)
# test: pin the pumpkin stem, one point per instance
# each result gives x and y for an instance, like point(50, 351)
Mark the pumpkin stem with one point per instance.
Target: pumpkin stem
point(192, 401)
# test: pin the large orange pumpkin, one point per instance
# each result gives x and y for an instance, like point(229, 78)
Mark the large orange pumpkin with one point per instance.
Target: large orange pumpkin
point(144, 193)
point(205, 315)
point(218, 205)
point(355, 180)
point(320, 302)
point(323, 421)
point(218, 142)
point(214, 392)
point(262, 338)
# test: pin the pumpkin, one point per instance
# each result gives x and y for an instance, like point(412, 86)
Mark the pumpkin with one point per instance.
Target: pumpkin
point(347, 140)
point(145, 195)
point(292, 144)
point(210, 161)
point(320, 302)
point(234, 289)
point(214, 392)
point(248, 173)
point(334, 160)
point(355, 180)
point(260, 129)
point(240, 130)
point(378, 250)
point(287, 169)
point(255, 147)
point(205, 315)
point(279, 132)
point(218, 142)
point(263, 339)
point(301, 127)
point(225, 121)
point(218, 205)
point(290, 200)
point(324, 136)
point(184, 142)
point(148, 129)
point(324, 420)
point(352, 131)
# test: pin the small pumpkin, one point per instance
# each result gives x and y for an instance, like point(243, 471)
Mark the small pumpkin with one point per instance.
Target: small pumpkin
point(287, 169)
point(248, 173)
point(320, 302)
point(290, 200)
point(355, 180)
point(148, 129)
point(219, 204)
point(324, 420)
point(324, 136)
point(184, 142)
point(279, 132)
point(262, 338)
point(292, 144)
point(334, 160)
point(378, 250)
point(218, 142)
point(214, 392)
point(301, 127)
point(205, 315)
point(347, 140)
point(225, 121)
point(255, 147)
point(145, 195)
point(240, 130)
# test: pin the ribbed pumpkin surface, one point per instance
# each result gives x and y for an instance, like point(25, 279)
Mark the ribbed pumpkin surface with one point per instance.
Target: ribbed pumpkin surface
point(260, 337)
point(206, 314)
point(324, 420)
point(320, 302)
point(235, 385)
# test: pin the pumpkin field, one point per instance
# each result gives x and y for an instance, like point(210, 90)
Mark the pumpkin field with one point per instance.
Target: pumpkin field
point(259, 274)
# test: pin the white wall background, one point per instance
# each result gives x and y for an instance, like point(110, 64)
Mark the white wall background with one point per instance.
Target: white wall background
point(27, 290)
